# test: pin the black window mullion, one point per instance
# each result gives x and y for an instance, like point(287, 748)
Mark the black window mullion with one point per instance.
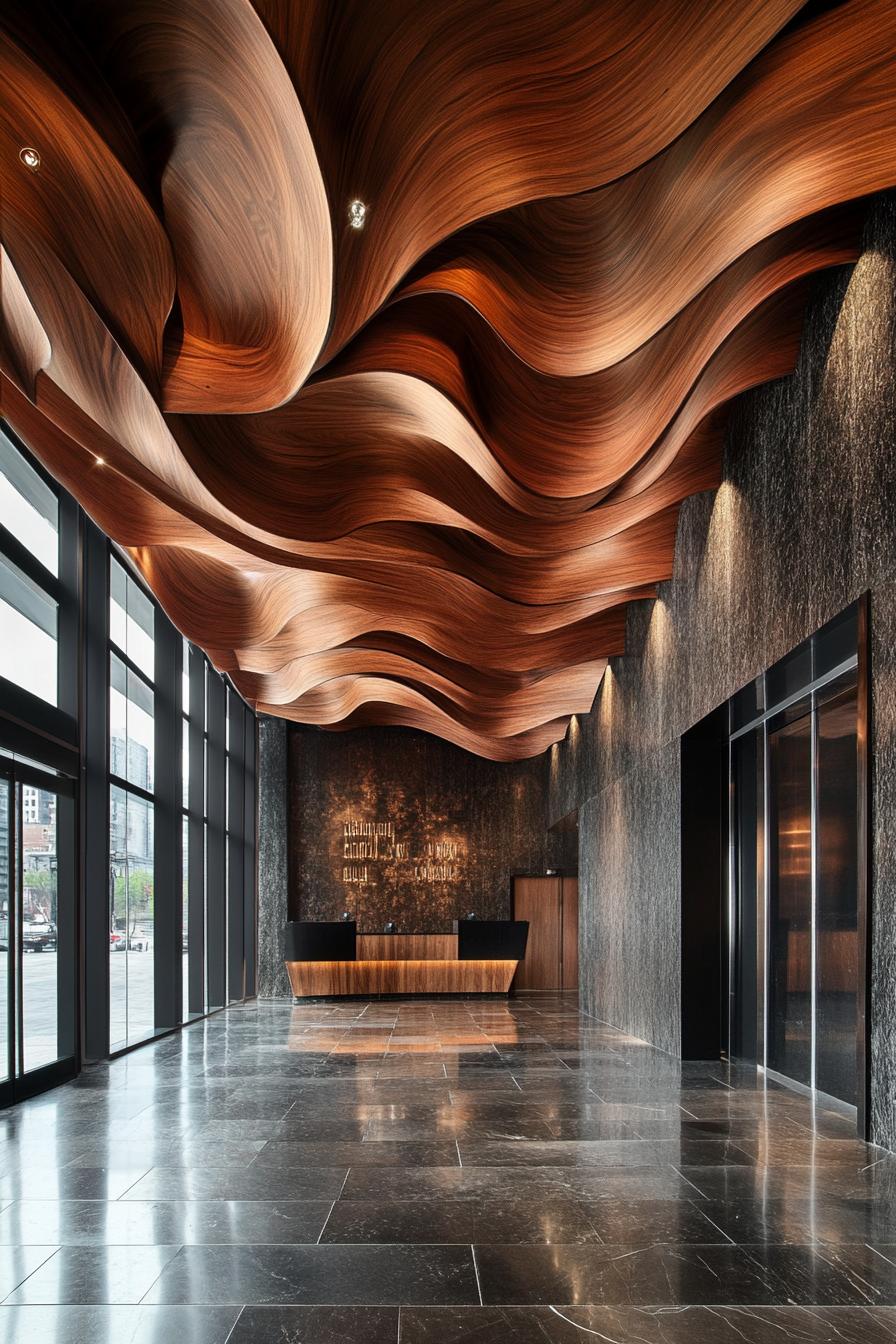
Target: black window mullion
point(126, 784)
point(235, 872)
point(215, 903)
point(196, 838)
point(29, 564)
point(95, 794)
point(249, 827)
point(168, 830)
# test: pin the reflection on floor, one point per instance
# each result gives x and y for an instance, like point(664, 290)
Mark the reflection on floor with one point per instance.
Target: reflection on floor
point(436, 1172)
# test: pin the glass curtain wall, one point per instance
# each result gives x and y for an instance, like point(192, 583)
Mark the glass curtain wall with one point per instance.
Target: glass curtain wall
point(38, 772)
point(218, 825)
point(797, 897)
point(121, 867)
point(131, 810)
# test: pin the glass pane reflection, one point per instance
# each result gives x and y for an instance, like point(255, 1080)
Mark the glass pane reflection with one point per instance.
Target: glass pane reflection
point(40, 951)
point(789, 1043)
point(837, 948)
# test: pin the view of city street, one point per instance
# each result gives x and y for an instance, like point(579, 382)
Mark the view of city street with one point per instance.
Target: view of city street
point(131, 972)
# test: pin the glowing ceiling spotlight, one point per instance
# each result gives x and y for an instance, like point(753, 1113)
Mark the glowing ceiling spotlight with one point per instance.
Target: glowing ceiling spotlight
point(357, 214)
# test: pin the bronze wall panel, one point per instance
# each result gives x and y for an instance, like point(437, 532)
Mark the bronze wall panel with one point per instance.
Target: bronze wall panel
point(420, 792)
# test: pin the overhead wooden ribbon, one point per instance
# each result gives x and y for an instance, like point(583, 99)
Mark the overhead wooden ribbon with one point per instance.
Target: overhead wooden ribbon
point(413, 473)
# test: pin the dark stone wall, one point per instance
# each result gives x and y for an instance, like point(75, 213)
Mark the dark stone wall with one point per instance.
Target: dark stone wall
point(468, 824)
point(273, 830)
point(804, 522)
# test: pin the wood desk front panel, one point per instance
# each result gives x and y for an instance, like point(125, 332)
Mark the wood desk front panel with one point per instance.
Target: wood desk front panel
point(322, 979)
point(407, 947)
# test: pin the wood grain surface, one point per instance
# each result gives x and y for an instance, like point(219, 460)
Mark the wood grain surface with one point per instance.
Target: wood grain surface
point(405, 976)
point(538, 900)
point(413, 474)
point(407, 947)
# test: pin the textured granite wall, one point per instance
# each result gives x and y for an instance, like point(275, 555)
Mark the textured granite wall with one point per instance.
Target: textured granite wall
point(616, 932)
point(273, 829)
point(460, 827)
point(804, 521)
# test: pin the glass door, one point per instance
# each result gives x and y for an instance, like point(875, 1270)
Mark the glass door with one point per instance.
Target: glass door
point(7, 877)
point(837, 876)
point(796, 972)
point(790, 951)
point(37, 931)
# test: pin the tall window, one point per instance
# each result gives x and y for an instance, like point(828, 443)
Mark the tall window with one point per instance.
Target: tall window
point(133, 859)
point(131, 810)
point(38, 774)
point(193, 799)
point(29, 571)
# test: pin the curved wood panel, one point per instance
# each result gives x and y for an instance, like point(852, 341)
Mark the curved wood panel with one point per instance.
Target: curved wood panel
point(578, 283)
point(459, 110)
point(413, 473)
point(120, 257)
point(245, 206)
point(24, 345)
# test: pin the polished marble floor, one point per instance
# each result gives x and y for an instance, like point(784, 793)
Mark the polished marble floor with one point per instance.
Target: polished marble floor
point(436, 1172)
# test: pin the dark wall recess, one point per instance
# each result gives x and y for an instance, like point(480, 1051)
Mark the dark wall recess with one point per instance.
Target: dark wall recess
point(704, 831)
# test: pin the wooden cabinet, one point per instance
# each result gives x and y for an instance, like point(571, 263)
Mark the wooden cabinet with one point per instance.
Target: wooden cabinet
point(551, 905)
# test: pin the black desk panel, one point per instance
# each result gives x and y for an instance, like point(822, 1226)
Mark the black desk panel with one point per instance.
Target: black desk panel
point(491, 939)
point(308, 941)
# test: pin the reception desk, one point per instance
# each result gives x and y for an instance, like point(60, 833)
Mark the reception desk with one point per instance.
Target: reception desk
point(333, 961)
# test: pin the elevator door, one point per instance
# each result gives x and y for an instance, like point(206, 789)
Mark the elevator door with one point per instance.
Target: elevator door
point(812, 977)
point(836, 921)
point(789, 1039)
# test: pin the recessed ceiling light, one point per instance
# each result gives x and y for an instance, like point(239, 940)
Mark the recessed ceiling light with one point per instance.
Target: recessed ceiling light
point(357, 214)
point(101, 461)
point(30, 158)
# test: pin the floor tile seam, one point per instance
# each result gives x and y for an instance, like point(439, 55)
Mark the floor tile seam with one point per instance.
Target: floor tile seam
point(54, 1252)
point(168, 1262)
point(754, 1251)
point(679, 1172)
point(320, 1234)
point(476, 1272)
point(875, 1248)
point(235, 1323)
point(695, 1204)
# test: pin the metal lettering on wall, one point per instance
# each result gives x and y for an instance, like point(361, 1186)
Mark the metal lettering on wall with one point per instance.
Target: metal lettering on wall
point(369, 847)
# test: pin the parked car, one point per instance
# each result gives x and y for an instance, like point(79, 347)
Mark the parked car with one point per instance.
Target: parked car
point(38, 934)
point(134, 942)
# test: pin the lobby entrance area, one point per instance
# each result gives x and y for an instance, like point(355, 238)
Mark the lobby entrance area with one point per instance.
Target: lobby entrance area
point(797, 868)
point(37, 930)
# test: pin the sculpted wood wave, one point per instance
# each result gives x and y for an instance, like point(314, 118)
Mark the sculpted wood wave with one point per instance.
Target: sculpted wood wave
point(413, 473)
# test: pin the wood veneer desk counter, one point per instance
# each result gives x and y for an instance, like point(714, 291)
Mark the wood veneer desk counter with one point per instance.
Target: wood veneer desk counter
point(322, 979)
point(407, 947)
point(402, 963)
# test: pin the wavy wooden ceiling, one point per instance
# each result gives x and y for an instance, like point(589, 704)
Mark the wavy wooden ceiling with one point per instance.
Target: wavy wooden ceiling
point(412, 473)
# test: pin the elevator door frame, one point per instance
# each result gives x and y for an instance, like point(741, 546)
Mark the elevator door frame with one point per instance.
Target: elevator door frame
point(762, 725)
